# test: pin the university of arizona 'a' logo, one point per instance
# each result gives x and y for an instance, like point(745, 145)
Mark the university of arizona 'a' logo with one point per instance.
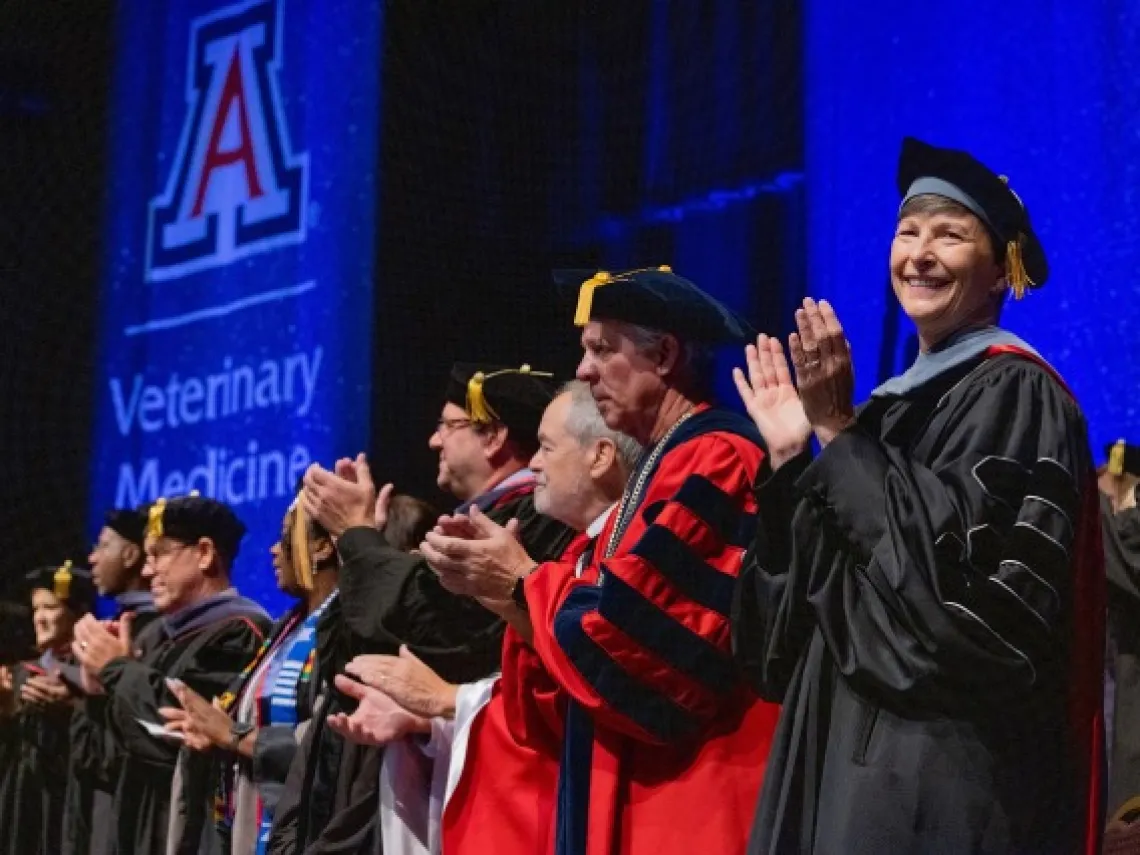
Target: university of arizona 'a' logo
point(235, 187)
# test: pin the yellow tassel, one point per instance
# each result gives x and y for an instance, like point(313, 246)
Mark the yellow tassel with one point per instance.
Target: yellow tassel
point(299, 541)
point(1015, 273)
point(1116, 459)
point(61, 581)
point(478, 410)
point(586, 296)
point(154, 519)
point(586, 293)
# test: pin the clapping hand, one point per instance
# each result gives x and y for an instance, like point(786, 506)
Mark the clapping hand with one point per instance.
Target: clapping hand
point(377, 719)
point(407, 681)
point(486, 565)
point(820, 401)
point(342, 499)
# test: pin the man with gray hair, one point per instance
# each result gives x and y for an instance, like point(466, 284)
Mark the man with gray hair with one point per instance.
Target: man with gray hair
point(663, 746)
point(497, 741)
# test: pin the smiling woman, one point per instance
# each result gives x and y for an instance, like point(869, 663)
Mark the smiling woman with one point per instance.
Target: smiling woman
point(922, 596)
point(944, 268)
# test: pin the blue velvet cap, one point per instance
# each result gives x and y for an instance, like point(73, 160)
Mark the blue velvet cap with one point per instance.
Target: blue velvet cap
point(656, 298)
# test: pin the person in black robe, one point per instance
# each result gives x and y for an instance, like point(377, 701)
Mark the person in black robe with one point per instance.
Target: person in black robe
point(1120, 515)
point(485, 436)
point(32, 794)
point(116, 562)
point(925, 597)
point(206, 635)
point(269, 713)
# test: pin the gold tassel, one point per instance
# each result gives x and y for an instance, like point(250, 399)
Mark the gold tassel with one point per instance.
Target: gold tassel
point(478, 409)
point(1116, 459)
point(299, 542)
point(61, 581)
point(586, 296)
point(1015, 273)
point(154, 518)
point(586, 293)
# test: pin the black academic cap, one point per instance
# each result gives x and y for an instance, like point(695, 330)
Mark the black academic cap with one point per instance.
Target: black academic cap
point(128, 523)
point(657, 298)
point(516, 397)
point(961, 178)
point(71, 584)
point(188, 518)
point(1123, 457)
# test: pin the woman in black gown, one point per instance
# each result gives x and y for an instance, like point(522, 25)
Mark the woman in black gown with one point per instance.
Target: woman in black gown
point(925, 597)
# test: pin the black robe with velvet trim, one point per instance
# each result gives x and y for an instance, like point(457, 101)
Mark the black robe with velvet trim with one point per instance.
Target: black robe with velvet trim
point(925, 598)
point(206, 657)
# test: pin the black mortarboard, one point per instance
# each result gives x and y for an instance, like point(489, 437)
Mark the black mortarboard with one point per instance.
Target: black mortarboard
point(517, 397)
point(188, 518)
point(127, 523)
point(655, 297)
point(960, 177)
point(1123, 458)
point(72, 585)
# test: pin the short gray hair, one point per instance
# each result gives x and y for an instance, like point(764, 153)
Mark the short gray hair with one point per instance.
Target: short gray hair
point(696, 363)
point(585, 423)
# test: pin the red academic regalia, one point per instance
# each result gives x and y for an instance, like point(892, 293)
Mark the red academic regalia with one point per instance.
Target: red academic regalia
point(664, 748)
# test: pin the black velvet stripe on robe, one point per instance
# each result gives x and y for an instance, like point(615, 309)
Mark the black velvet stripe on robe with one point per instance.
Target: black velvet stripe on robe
point(910, 598)
point(207, 659)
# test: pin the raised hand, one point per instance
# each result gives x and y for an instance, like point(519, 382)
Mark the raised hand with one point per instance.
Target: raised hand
point(772, 400)
point(380, 511)
point(407, 681)
point(824, 374)
point(96, 643)
point(486, 566)
point(342, 499)
point(377, 719)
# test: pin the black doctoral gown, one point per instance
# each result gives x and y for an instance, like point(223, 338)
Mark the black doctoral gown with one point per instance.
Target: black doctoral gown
point(922, 600)
point(34, 777)
point(206, 648)
point(1122, 566)
point(93, 768)
point(389, 598)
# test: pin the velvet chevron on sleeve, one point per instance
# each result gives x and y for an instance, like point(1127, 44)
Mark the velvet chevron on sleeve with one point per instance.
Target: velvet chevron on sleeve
point(934, 609)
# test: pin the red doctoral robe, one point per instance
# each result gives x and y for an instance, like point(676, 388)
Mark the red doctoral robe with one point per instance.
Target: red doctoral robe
point(664, 748)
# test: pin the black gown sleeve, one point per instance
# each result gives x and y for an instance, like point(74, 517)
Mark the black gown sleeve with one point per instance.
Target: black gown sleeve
point(391, 598)
point(950, 571)
point(136, 690)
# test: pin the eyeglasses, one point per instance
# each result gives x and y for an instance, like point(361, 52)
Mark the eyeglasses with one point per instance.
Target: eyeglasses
point(447, 426)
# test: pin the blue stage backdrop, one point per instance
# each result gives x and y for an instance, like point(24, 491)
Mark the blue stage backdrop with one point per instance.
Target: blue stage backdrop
point(1046, 93)
point(237, 299)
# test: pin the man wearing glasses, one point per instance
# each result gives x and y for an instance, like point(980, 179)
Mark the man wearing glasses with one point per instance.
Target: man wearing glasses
point(206, 636)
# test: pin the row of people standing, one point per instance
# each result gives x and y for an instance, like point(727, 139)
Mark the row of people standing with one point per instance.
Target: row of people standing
point(924, 597)
point(894, 645)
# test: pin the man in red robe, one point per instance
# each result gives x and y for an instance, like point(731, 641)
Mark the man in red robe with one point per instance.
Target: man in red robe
point(663, 747)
